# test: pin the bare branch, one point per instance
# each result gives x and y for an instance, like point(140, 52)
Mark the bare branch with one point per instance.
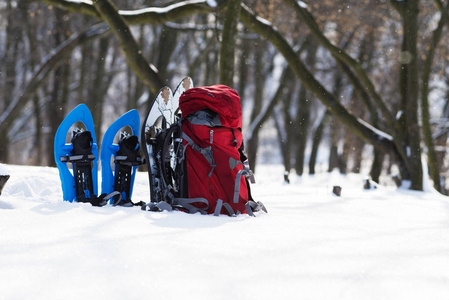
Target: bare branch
point(136, 61)
point(48, 63)
point(365, 83)
point(266, 29)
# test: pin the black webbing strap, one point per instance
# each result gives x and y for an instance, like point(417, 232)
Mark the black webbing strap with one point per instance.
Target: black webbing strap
point(81, 157)
point(122, 180)
point(125, 161)
point(126, 158)
point(77, 158)
point(103, 199)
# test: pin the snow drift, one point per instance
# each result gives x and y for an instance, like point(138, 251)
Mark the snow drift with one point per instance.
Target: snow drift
point(385, 243)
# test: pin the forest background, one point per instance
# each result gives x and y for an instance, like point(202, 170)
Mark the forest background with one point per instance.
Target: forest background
point(367, 79)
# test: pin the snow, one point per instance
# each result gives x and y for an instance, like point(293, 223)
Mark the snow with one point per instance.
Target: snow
point(212, 3)
point(3, 170)
point(302, 4)
point(160, 10)
point(380, 133)
point(385, 243)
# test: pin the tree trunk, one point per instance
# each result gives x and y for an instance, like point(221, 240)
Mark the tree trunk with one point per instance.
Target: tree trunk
point(316, 140)
point(253, 142)
point(54, 115)
point(98, 86)
point(376, 168)
point(284, 142)
point(410, 92)
point(60, 90)
point(432, 160)
point(167, 44)
point(8, 63)
point(38, 153)
point(227, 50)
point(245, 49)
point(302, 121)
point(334, 156)
point(286, 134)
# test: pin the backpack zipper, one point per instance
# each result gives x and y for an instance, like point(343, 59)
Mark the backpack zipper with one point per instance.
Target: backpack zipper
point(211, 137)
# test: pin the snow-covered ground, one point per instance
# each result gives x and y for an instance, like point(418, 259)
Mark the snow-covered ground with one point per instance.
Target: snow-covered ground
point(385, 243)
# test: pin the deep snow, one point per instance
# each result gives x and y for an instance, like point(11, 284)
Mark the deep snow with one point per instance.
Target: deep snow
point(3, 170)
point(385, 243)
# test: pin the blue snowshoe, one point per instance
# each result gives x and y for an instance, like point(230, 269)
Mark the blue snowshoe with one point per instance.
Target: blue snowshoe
point(126, 157)
point(82, 152)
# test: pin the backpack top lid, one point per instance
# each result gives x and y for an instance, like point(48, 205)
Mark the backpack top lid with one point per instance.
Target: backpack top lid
point(219, 98)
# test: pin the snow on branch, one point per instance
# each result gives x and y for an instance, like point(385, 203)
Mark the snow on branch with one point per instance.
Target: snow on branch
point(162, 10)
point(302, 4)
point(79, 2)
point(161, 15)
point(379, 133)
point(193, 26)
point(151, 15)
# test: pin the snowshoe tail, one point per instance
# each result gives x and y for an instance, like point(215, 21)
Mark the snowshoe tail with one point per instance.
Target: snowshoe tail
point(185, 84)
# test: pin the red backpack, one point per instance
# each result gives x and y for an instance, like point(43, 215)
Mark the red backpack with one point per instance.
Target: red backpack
point(213, 145)
point(197, 162)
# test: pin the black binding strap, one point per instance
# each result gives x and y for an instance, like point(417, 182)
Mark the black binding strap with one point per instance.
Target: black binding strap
point(125, 159)
point(103, 199)
point(81, 159)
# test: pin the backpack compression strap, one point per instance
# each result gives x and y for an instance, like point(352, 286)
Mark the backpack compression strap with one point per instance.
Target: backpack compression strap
point(206, 152)
point(187, 203)
point(179, 204)
point(252, 207)
point(220, 205)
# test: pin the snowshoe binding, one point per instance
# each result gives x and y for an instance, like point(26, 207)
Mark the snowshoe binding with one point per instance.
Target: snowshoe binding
point(161, 134)
point(127, 159)
point(81, 184)
point(82, 159)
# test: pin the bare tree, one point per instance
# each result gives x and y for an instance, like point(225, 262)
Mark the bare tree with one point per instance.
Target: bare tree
point(376, 123)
